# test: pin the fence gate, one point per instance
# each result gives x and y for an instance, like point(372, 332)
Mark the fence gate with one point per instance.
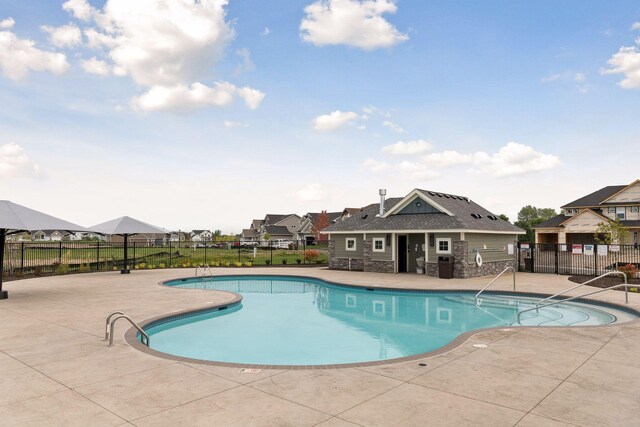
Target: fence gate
point(575, 259)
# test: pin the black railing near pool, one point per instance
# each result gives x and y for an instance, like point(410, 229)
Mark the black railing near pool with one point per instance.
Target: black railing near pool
point(29, 259)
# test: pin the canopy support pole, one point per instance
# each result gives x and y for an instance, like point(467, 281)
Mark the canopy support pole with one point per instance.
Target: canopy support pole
point(3, 234)
point(126, 270)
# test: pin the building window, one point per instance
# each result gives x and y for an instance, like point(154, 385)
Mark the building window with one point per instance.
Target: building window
point(350, 244)
point(378, 245)
point(443, 246)
point(612, 210)
point(621, 213)
point(635, 208)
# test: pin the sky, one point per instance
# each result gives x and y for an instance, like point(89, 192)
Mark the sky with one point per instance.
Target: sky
point(207, 114)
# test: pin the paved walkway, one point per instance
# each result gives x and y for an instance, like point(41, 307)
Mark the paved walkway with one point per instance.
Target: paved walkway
point(55, 370)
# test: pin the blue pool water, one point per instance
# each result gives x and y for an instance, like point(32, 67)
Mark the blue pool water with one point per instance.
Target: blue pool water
point(300, 321)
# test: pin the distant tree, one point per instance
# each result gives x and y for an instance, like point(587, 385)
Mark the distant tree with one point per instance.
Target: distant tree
point(611, 232)
point(504, 217)
point(217, 234)
point(321, 223)
point(530, 216)
point(266, 236)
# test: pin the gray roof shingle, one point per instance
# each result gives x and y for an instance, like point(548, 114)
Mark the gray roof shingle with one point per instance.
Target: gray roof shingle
point(461, 207)
point(595, 198)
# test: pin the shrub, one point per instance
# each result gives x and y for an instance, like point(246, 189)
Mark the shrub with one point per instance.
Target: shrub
point(161, 265)
point(629, 270)
point(311, 255)
point(284, 261)
point(85, 268)
point(37, 272)
point(298, 260)
point(267, 261)
point(237, 264)
point(62, 269)
point(248, 263)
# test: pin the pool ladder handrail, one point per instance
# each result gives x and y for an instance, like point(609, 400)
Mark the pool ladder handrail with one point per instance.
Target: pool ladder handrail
point(496, 278)
point(608, 273)
point(108, 333)
point(624, 285)
point(205, 268)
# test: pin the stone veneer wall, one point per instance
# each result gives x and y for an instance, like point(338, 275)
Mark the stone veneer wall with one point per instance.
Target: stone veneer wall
point(365, 264)
point(375, 266)
point(342, 263)
point(462, 268)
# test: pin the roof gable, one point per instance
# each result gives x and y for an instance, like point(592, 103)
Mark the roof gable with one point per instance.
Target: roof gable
point(418, 206)
point(410, 197)
point(595, 198)
point(631, 193)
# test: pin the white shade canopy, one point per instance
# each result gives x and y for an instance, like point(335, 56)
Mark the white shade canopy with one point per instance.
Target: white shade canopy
point(126, 225)
point(14, 217)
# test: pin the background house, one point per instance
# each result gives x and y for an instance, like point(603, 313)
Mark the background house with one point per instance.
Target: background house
point(201, 235)
point(392, 236)
point(579, 220)
point(310, 225)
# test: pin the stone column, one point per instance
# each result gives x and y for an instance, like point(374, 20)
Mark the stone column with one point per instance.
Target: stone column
point(366, 255)
point(460, 264)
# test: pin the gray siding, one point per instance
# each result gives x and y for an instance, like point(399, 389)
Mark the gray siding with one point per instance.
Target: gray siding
point(380, 256)
point(415, 242)
point(418, 206)
point(493, 247)
point(433, 256)
point(341, 252)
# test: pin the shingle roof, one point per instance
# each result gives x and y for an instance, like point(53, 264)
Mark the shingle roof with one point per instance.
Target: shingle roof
point(332, 216)
point(248, 232)
point(277, 230)
point(461, 207)
point(553, 222)
point(595, 198)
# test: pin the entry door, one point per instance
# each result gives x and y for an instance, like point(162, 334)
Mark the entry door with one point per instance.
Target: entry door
point(402, 254)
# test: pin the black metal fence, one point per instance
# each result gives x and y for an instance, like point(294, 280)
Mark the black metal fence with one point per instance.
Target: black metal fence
point(26, 259)
point(575, 259)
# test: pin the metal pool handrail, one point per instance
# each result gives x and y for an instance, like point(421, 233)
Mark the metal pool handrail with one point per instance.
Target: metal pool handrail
point(496, 278)
point(620, 285)
point(134, 324)
point(609, 273)
point(107, 329)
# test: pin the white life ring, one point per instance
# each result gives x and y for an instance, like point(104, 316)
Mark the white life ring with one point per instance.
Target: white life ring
point(478, 259)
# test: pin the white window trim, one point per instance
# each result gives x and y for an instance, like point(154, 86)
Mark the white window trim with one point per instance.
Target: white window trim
point(621, 210)
point(378, 239)
point(346, 244)
point(442, 239)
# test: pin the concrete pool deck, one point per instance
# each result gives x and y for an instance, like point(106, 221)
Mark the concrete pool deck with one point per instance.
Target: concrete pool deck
point(56, 370)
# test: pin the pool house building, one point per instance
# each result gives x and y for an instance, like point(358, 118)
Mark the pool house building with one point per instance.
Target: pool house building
point(426, 232)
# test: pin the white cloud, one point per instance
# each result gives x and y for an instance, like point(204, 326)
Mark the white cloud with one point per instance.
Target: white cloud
point(19, 56)
point(510, 160)
point(95, 66)
point(393, 126)
point(6, 24)
point(310, 193)
point(182, 97)
point(373, 165)
point(447, 158)
point(80, 9)
point(15, 162)
point(247, 64)
point(167, 46)
point(266, 31)
point(580, 77)
point(231, 124)
point(626, 62)
point(635, 26)
point(357, 23)
point(551, 78)
point(64, 36)
point(411, 147)
point(515, 159)
point(334, 120)
point(417, 171)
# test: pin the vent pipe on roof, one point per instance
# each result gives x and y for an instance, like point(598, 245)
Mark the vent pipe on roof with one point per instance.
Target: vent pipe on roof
point(382, 193)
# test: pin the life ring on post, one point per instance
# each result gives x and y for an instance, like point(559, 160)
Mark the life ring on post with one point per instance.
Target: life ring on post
point(478, 259)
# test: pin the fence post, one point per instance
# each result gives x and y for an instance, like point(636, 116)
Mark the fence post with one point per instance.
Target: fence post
point(271, 252)
point(60, 252)
point(595, 259)
point(304, 248)
point(22, 258)
point(533, 257)
point(98, 256)
point(169, 266)
point(557, 257)
point(238, 251)
point(205, 251)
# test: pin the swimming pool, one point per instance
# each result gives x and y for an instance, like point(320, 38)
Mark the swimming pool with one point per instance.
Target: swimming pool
point(284, 320)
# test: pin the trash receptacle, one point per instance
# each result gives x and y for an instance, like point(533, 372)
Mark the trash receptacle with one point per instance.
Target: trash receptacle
point(445, 267)
point(528, 265)
point(420, 265)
